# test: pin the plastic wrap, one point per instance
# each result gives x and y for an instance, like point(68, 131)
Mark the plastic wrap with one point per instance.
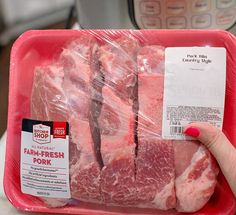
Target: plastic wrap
point(108, 85)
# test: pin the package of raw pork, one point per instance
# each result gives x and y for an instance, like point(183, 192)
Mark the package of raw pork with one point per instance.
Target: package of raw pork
point(85, 122)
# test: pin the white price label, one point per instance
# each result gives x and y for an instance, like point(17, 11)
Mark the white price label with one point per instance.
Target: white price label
point(194, 88)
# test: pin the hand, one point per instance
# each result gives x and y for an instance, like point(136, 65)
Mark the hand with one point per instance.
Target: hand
point(220, 147)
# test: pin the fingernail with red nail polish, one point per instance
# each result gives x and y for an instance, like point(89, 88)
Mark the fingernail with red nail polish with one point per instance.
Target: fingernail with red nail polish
point(193, 132)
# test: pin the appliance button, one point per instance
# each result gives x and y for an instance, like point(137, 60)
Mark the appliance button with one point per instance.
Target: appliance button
point(199, 6)
point(201, 21)
point(151, 22)
point(225, 3)
point(176, 7)
point(150, 7)
point(226, 17)
point(176, 23)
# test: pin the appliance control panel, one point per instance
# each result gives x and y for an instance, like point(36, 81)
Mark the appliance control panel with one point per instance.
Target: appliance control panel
point(185, 14)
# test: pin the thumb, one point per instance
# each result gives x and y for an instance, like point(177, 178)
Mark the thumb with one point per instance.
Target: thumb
point(220, 147)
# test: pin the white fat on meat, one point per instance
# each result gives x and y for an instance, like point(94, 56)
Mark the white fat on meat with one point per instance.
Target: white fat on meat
point(192, 194)
point(164, 194)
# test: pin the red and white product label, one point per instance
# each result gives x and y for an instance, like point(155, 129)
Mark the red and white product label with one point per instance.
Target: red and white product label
point(45, 159)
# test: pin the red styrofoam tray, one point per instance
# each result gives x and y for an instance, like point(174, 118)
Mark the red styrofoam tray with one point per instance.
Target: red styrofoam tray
point(40, 47)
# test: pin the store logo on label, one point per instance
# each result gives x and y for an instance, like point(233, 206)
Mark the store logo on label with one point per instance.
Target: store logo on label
point(41, 134)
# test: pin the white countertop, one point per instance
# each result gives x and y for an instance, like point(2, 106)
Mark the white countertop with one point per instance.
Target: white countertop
point(5, 205)
point(8, 209)
point(2, 160)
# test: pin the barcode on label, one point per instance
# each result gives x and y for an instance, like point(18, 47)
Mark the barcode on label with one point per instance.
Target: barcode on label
point(176, 130)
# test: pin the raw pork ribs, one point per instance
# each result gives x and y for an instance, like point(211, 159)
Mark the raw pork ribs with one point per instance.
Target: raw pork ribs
point(62, 92)
point(117, 121)
point(112, 95)
point(155, 157)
